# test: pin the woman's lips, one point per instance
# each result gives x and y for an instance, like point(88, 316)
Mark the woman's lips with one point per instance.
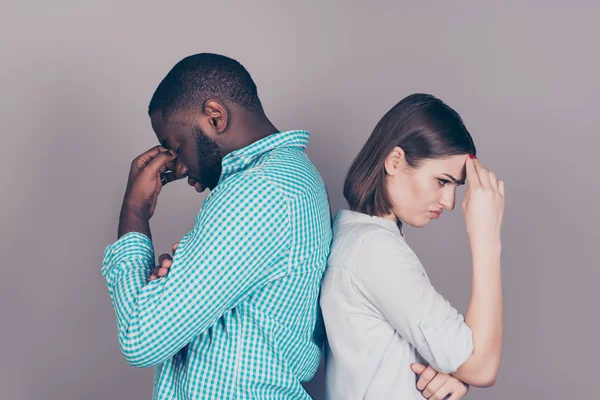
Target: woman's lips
point(435, 214)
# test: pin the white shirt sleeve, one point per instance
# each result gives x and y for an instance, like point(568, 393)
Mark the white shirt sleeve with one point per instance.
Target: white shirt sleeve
point(390, 276)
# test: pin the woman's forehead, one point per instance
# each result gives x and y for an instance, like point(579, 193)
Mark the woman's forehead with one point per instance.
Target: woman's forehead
point(453, 165)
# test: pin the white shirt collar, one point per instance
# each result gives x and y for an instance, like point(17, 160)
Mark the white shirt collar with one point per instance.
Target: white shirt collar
point(349, 216)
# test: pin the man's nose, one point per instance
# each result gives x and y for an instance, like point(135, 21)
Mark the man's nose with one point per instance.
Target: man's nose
point(180, 169)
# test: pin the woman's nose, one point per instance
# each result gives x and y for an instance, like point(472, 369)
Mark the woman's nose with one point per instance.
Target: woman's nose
point(447, 201)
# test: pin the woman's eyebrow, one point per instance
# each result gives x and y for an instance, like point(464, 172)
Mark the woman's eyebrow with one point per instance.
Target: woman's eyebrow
point(453, 179)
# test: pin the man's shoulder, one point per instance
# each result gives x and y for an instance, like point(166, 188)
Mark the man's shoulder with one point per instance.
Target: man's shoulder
point(291, 171)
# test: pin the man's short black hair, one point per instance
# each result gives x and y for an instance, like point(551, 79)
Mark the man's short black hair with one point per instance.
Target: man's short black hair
point(201, 77)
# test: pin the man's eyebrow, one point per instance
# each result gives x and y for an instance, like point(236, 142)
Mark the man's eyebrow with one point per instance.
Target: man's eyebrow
point(453, 179)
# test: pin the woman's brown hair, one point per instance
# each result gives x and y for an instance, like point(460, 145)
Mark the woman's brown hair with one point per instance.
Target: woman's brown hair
point(424, 127)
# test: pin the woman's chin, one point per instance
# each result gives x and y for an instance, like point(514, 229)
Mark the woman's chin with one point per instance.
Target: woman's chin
point(418, 222)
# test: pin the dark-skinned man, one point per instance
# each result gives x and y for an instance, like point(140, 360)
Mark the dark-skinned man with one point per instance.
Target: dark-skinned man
point(237, 315)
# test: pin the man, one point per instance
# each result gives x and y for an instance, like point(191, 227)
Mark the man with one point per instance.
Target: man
point(237, 315)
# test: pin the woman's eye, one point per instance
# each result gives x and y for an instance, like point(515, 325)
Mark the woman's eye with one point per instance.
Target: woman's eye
point(442, 182)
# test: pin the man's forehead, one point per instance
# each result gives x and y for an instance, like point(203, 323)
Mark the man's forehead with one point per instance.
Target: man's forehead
point(173, 122)
point(156, 121)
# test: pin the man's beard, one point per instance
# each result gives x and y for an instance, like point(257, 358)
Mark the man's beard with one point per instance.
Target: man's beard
point(209, 159)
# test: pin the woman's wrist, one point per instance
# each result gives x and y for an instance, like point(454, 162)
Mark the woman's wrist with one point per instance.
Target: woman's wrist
point(484, 248)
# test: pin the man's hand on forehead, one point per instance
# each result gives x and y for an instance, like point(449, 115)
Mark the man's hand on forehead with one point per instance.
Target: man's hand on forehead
point(171, 174)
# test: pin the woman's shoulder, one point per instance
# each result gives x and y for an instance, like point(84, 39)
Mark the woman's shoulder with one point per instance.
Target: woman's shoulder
point(360, 227)
point(352, 236)
point(383, 243)
point(369, 242)
point(383, 256)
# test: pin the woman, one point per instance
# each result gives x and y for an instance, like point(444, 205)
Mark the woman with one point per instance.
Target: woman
point(382, 315)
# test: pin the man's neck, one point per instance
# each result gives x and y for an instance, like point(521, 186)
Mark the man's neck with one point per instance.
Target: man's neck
point(251, 131)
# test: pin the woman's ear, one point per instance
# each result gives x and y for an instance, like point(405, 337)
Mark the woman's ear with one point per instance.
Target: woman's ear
point(395, 161)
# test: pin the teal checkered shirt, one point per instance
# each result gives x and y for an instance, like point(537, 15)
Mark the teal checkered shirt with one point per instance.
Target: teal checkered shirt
point(237, 316)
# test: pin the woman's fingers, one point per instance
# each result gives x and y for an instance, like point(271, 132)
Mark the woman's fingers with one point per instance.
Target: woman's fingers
point(483, 174)
point(472, 176)
point(494, 182)
point(453, 387)
point(435, 385)
point(426, 377)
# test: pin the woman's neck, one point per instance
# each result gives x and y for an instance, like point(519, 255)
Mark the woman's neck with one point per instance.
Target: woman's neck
point(391, 217)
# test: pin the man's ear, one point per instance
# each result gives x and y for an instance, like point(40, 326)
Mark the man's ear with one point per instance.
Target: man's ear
point(395, 161)
point(217, 115)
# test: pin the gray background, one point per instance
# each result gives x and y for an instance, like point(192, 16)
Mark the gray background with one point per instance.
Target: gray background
point(75, 83)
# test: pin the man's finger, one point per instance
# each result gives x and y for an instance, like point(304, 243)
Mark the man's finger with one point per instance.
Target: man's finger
point(158, 165)
point(162, 272)
point(163, 257)
point(426, 377)
point(167, 177)
point(166, 264)
point(175, 245)
point(144, 159)
point(154, 274)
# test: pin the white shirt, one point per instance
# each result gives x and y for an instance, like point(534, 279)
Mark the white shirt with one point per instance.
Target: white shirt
point(382, 314)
